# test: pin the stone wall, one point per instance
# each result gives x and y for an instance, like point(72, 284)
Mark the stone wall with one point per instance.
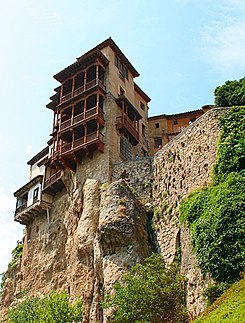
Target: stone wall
point(138, 174)
point(183, 165)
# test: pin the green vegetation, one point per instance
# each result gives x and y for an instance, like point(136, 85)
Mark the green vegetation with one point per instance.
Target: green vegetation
point(215, 214)
point(231, 144)
point(16, 255)
point(230, 94)
point(53, 308)
point(228, 308)
point(213, 291)
point(2, 281)
point(149, 293)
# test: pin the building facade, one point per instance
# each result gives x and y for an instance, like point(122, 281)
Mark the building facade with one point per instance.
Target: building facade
point(100, 118)
point(163, 128)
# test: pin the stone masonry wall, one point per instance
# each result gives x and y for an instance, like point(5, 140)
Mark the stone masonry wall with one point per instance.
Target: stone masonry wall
point(138, 174)
point(180, 167)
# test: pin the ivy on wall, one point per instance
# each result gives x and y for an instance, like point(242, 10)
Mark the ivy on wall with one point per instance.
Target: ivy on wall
point(215, 214)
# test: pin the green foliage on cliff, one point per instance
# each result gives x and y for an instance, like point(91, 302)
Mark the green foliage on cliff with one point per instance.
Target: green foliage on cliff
point(229, 308)
point(53, 308)
point(149, 293)
point(231, 93)
point(16, 254)
point(215, 214)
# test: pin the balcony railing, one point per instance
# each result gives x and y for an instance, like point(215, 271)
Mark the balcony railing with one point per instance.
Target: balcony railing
point(96, 111)
point(52, 179)
point(83, 89)
point(21, 208)
point(82, 142)
point(124, 122)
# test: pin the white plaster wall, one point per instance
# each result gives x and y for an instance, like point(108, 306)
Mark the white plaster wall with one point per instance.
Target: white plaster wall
point(30, 194)
point(35, 170)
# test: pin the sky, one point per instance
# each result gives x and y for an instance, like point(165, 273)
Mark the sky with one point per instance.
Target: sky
point(182, 49)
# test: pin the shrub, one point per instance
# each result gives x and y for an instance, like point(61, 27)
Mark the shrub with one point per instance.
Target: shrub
point(149, 293)
point(16, 254)
point(53, 308)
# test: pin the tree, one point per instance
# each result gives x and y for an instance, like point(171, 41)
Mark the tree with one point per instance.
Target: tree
point(53, 308)
point(231, 93)
point(149, 293)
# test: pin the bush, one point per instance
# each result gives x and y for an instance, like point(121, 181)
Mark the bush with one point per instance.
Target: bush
point(214, 291)
point(149, 293)
point(230, 94)
point(231, 144)
point(53, 308)
point(16, 254)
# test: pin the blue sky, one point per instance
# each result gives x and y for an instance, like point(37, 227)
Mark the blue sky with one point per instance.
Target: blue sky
point(183, 49)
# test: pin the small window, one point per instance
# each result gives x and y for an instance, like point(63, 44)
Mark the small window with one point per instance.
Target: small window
point(116, 61)
point(175, 122)
point(157, 125)
point(122, 91)
point(35, 194)
point(143, 130)
point(142, 106)
point(126, 148)
point(158, 142)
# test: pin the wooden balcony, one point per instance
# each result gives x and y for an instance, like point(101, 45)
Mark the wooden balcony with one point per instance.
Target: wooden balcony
point(124, 124)
point(82, 89)
point(53, 183)
point(25, 214)
point(90, 142)
point(94, 113)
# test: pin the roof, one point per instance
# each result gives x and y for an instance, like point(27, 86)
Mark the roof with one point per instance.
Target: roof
point(38, 156)
point(181, 114)
point(80, 64)
point(95, 52)
point(142, 93)
point(27, 186)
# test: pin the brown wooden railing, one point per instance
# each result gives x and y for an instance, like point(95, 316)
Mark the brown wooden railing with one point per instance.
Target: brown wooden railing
point(81, 117)
point(82, 142)
point(82, 89)
point(52, 179)
point(21, 208)
point(124, 121)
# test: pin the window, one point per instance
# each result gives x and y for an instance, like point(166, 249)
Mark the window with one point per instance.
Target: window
point(35, 194)
point(122, 91)
point(126, 148)
point(116, 61)
point(157, 142)
point(143, 130)
point(175, 122)
point(142, 106)
point(156, 125)
point(123, 71)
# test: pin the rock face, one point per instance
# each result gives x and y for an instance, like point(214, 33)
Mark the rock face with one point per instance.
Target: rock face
point(90, 237)
point(93, 233)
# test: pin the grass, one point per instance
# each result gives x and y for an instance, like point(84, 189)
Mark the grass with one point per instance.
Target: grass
point(229, 307)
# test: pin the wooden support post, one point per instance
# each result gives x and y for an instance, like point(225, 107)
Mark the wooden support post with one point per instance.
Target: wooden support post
point(97, 74)
point(73, 86)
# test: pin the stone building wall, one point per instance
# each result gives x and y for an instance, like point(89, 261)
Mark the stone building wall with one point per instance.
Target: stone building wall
point(183, 165)
point(138, 174)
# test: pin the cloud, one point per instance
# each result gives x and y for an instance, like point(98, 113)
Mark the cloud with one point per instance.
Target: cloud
point(223, 39)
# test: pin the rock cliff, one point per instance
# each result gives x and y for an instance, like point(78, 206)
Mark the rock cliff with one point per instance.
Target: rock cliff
point(94, 232)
